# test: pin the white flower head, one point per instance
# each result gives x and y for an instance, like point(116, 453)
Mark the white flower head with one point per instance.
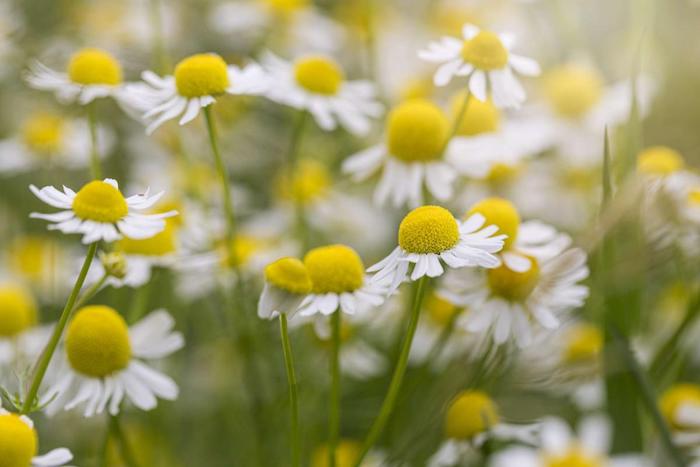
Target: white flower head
point(317, 84)
point(104, 362)
point(486, 60)
point(99, 211)
point(287, 284)
point(18, 441)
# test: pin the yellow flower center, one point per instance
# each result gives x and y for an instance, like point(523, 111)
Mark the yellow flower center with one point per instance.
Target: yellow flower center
point(244, 247)
point(101, 202)
point(694, 196)
point(43, 133)
point(676, 397)
point(285, 7)
point(502, 173)
point(18, 442)
point(416, 88)
point(428, 229)
point(17, 310)
point(346, 454)
point(289, 274)
point(659, 161)
point(574, 457)
point(416, 131)
point(97, 341)
point(485, 51)
point(334, 269)
point(319, 74)
point(479, 117)
point(161, 244)
point(30, 255)
point(471, 413)
point(501, 213)
point(309, 181)
point(440, 310)
point(94, 66)
point(584, 343)
point(573, 90)
point(201, 75)
point(448, 18)
point(511, 285)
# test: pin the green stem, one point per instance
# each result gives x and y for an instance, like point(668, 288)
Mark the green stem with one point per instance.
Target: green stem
point(458, 121)
point(292, 160)
point(104, 447)
point(48, 352)
point(666, 353)
point(124, 448)
point(399, 372)
point(334, 417)
point(293, 392)
point(445, 334)
point(90, 292)
point(95, 169)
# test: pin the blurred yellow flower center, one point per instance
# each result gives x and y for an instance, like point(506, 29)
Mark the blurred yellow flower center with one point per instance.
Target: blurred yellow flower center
point(677, 396)
point(17, 310)
point(501, 213)
point(97, 341)
point(502, 173)
point(471, 413)
point(101, 202)
point(244, 247)
point(441, 311)
point(511, 285)
point(94, 66)
point(43, 133)
point(334, 269)
point(573, 90)
point(485, 51)
point(416, 131)
point(694, 196)
point(416, 88)
point(584, 343)
point(479, 117)
point(289, 274)
point(574, 457)
point(428, 229)
point(309, 182)
point(346, 454)
point(30, 256)
point(18, 442)
point(285, 7)
point(161, 244)
point(659, 161)
point(319, 74)
point(201, 75)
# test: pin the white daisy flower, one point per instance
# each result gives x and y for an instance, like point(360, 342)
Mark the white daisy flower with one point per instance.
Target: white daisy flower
point(411, 157)
point(19, 444)
point(661, 167)
point(91, 74)
point(429, 236)
point(560, 447)
point(317, 84)
point(486, 60)
point(287, 284)
point(195, 84)
point(104, 362)
point(680, 406)
point(338, 282)
point(100, 212)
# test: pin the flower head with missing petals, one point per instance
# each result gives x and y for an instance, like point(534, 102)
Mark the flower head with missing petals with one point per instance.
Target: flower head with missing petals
point(287, 282)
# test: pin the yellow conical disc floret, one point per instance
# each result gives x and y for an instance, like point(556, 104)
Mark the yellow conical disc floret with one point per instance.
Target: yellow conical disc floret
point(511, 285)
point(318, 74)
point(440, 310)
point(346, 454)
point(285, 7)
point(584, 343)
point(479, 117)
point(94, 66)
point(676, 397)
point(485, 51)
point(18, 442)
point(310, 181)
point(574, 457)
point(43, 133)
point(334, 269)
point(101, 202)
point(416, 131)
point(428, 229)
point(573, 90)
point(289, 274)
point(97, 341)
point(471, 413)
point(201, 75)
point(161, 244)
point(659, 161)
point(501, 213)
point(17, 310)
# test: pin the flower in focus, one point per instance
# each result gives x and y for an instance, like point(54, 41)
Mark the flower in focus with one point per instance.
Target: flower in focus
point(429, 236)
point(92, 73)
point(287, 283)
point(99, 211)
point(486, 60)
point(19, 444)
point(104, 362)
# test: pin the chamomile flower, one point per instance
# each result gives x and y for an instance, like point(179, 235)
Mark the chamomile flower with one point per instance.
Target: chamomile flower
point(680, 406)
point(104, 362)
point(91, 73)
point(486, 60)
point(411, 157)
point(19, 444)
point(99, 211)
point(429, 236)
point(195, 84)
point(287, 283)
point(508, 304)
point(338, 282)
point(559, 447)
point(317, 84)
